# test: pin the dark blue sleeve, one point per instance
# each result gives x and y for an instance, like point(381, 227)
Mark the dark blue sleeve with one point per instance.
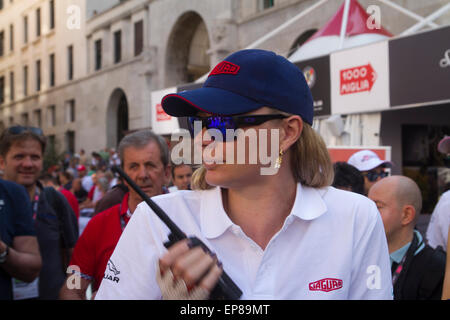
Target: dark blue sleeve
point(22, 212)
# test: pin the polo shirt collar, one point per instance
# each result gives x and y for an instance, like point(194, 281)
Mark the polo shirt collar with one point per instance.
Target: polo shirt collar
point(214, 221)
point(124, 205)
point(309, 203)
point(397, 255)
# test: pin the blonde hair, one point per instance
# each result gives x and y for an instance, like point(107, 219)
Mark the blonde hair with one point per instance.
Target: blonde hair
point(310, 162)
point(198, 180)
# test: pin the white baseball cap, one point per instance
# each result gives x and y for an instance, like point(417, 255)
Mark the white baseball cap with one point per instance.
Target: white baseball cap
point(366, 160)
point(444, 145)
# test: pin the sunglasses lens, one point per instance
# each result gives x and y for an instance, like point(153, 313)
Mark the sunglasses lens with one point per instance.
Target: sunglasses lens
point(36, 131)
point(20, 129)
point(191, 124)
point(373, 176)
point(216, 122)
point(221, 124)
point(16, 130)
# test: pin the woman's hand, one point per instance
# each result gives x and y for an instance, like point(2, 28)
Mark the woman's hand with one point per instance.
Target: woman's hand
point(187, 273)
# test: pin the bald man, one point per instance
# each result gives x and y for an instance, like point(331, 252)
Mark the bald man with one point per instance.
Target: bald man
point(417, 269)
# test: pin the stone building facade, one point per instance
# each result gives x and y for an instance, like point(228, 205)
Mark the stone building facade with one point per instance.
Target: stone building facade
point(86, 77)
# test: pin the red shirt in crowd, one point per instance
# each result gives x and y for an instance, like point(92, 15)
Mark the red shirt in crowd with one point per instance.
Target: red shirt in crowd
point(73, 202)
point(91, 192)
point(98, 240)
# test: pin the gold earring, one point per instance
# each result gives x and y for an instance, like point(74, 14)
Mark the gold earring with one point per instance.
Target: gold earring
point(279, 160)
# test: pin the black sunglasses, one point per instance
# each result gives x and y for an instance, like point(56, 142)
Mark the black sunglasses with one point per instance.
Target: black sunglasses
point(373, 175)
point(22, 129)
point(222, 123)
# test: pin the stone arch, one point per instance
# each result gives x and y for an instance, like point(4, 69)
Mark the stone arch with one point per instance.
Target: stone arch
point(117, 120)
point(186, 57)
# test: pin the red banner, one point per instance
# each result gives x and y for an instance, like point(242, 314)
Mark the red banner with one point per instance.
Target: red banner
point(160, 114)
point(344, 153)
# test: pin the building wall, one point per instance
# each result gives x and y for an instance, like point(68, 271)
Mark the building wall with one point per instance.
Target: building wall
point(68, 30)
point(175, 34)
point(129, 75)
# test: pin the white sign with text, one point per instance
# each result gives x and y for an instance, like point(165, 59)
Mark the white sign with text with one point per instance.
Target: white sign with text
point(162, 123)
point(360, 79)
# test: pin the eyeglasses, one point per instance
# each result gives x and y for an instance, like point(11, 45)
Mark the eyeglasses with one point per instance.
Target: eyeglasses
point(222, 123)
point(22, 129)
point(373, 175)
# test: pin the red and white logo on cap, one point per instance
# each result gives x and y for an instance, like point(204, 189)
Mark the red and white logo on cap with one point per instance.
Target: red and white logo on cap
point(225, 67)
point(367, 157)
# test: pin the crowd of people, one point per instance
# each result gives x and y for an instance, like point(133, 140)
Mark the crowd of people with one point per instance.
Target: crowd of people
point(348, 226)
point(38, 248)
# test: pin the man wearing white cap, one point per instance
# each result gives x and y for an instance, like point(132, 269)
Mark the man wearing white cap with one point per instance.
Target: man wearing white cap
point(438, 228)
point(371, 166)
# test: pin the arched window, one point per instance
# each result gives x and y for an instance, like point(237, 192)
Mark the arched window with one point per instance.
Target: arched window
point(301, 40)
point(187, 58)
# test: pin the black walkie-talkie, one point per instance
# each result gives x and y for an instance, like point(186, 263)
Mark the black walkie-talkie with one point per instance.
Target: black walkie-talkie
point(225, 288)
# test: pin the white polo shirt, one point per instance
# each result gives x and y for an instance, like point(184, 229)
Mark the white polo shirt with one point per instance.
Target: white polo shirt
point(438, 228)
point(331, 246)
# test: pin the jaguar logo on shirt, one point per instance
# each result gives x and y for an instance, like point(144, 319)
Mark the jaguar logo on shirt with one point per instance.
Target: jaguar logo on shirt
point(111, 268)
point(326, 285)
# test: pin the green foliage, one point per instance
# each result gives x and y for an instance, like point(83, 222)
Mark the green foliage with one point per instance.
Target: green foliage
point(52, 156)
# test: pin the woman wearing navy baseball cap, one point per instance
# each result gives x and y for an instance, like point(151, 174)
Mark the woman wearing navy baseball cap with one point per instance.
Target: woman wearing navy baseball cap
point(284, 235)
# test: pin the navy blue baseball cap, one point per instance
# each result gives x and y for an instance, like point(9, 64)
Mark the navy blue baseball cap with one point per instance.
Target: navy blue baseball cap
point(245, 81)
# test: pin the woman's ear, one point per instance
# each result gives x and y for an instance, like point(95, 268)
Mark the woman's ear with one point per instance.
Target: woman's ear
point(291, 130)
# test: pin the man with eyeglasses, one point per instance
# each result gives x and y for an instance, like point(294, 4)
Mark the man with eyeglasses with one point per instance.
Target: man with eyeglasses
point(21, 158)
point(371, 167)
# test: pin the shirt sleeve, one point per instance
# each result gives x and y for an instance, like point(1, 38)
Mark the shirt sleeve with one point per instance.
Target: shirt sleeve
point(70, 223)
point(437, 231)
point(83, 257)
point(371, 272)
point(22, 212)
point(132, 275)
